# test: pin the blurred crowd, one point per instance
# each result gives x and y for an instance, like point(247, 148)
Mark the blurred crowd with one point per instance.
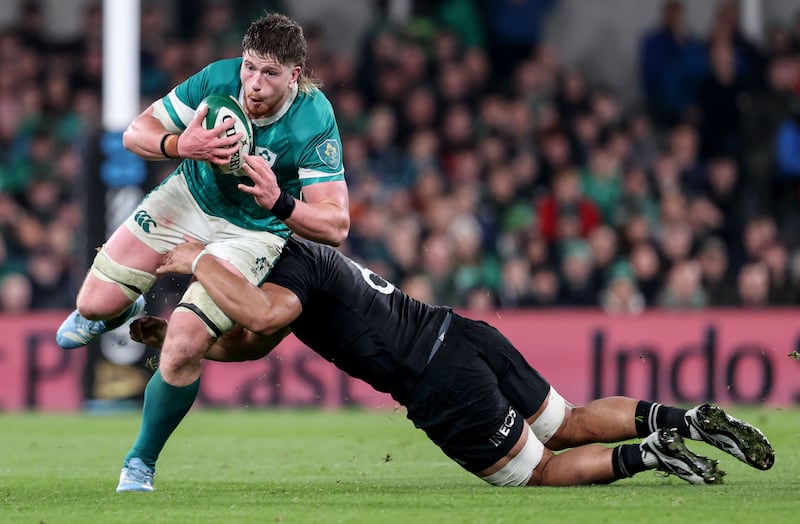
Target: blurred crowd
point(483, 171)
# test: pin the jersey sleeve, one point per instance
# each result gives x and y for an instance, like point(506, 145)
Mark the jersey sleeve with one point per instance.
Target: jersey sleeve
point(177, 108)
point(321, 158)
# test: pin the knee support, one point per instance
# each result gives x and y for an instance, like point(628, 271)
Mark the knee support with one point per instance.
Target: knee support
point(197, 301)
point(133, 282)
point(551, 418)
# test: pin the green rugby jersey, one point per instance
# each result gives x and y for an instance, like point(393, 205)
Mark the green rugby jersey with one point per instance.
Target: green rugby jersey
point(301, 143)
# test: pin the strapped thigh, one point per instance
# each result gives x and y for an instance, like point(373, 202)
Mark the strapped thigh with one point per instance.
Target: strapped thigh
point(133, 282)
point(549, 421)
point(519, 469)
point(197, 301)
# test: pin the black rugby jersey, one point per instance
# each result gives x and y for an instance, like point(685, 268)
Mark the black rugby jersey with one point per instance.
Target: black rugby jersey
point(357, 320)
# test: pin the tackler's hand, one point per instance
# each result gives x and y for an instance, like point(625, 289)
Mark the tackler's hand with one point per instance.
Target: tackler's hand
point(149, 330)
point(181, 258)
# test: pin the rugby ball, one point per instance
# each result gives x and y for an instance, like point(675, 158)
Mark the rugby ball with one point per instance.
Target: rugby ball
point(225, 108)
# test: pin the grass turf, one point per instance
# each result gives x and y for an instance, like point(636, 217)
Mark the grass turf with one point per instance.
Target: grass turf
point(345, 466)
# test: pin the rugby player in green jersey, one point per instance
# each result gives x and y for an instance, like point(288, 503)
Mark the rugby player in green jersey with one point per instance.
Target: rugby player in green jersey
point(299, 187)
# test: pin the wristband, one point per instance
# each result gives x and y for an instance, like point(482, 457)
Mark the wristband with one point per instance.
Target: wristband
point(164, 147)
point(284, 206)
point(197, 259)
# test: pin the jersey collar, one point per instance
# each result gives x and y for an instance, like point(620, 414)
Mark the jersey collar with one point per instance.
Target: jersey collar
point(260, 122)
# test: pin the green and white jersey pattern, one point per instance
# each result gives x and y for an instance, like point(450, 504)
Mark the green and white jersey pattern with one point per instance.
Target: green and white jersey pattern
point(301, 143)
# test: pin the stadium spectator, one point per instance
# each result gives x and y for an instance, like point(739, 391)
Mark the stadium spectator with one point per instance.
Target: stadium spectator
point(727, 27)
point(716, 273)
point(684, 147)
point(513, 31)
point(566, 203)
point(580, 286)
point(672, 63)
point(783, 290)
point(50, 279)
point(438, 263)
point(725, 191)
point(15, 293)
point(765, 111)
point(718, 100)
point(545, 287)
point(515, 289)
point(621, 296)
point(683, 288)
point(759, 233)
point(605, 251)
point(601, 181)
point(787, 157)
point(676, 242)
point(636, 199)
point(752, 286)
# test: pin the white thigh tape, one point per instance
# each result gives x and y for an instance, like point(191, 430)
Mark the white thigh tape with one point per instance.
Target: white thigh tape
point(133, 282)
point(551, 418)
point(520, 468)
point(197, 301)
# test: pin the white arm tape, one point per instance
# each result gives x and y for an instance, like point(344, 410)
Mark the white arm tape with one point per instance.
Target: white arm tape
point(197, 259)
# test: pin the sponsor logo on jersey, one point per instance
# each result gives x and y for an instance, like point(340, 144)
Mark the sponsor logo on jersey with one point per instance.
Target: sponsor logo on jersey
point(505, 428)
point(267, 155)
point(145, 221)
point(329, 153)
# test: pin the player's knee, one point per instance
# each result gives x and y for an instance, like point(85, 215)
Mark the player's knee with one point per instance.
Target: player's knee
point(181, 356)
point(185, 345)
point(132, 282)
point(518, 470)
point(197, 301)
point(548, 423)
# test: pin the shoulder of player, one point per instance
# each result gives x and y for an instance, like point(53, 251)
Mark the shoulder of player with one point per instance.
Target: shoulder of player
point(310, 116)
point(222, 76)
point(313, 104)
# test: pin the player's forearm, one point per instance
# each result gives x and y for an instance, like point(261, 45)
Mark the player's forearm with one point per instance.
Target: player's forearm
point(265, 311)
point(324, 222)
point(240, 345)
point(243, 302)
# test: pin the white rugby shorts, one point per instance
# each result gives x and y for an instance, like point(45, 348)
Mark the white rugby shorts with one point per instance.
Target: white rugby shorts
point(169, 212)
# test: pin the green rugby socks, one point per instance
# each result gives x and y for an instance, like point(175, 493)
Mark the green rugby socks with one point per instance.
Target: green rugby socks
point(164, 408)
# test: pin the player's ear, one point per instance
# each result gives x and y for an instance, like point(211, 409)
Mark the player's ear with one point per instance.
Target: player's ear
point(296, 71)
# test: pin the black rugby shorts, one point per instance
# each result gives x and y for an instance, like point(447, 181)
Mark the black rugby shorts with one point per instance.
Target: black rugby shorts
point(474, 395)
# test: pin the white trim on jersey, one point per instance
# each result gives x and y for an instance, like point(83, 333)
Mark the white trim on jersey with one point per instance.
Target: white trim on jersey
point(304, 173)
point(160, 112)
point(184, 111)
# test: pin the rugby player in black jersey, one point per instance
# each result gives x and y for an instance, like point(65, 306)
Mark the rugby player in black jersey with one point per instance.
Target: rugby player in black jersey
point(461, 380)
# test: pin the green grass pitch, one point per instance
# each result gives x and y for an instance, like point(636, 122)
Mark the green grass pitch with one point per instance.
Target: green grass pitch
point(254, 465)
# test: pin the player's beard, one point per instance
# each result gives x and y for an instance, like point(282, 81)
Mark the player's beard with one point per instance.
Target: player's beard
point(265, 107)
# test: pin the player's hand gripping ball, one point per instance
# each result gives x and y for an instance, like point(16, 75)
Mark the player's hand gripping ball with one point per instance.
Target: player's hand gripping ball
point(225, 108)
